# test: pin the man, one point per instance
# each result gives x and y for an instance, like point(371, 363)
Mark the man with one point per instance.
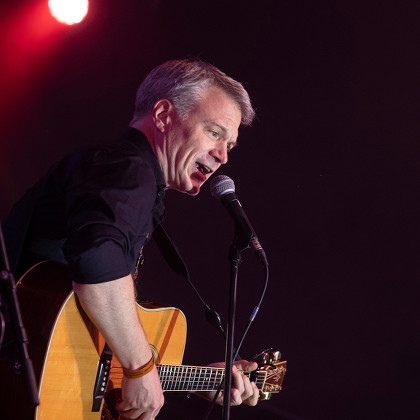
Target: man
point(96, 209)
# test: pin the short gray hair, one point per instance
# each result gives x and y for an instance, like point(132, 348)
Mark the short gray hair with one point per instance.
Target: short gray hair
point(182, 82)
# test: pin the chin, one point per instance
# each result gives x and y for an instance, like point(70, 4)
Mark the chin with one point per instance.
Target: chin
point(194, 186)
point(193, 191)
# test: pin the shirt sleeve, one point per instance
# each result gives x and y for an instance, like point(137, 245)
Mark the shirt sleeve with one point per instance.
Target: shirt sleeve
point(109, 199)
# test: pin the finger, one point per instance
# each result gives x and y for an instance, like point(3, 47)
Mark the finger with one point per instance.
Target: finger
point(155, 413)
point(246, 366)
point(253, 399)
point(248, 389)
point(134, 416)
point(122, 417)
point(130, 414)
point(219, 399)
point(138, 414)
point(148, 415)
point(122, 407)
point(238, 382)
point(235, 397)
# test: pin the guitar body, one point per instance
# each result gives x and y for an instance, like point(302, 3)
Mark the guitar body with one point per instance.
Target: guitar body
point(65, 348)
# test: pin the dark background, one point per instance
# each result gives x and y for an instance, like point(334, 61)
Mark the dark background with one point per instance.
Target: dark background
point(328, 175)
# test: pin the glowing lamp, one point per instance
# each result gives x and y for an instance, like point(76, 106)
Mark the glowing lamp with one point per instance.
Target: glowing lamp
point(69, 11)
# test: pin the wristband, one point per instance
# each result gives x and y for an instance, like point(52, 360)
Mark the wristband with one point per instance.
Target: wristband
point(138, 373)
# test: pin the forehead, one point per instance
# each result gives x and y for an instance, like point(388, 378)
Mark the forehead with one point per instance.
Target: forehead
point(215, 104)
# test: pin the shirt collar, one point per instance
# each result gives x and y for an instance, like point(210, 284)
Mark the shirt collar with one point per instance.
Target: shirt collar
point(140, 140)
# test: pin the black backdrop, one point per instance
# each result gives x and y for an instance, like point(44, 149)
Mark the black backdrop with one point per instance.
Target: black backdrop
point(327, 174)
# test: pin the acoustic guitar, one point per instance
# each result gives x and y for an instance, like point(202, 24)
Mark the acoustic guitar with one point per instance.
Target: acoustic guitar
point(78, 379)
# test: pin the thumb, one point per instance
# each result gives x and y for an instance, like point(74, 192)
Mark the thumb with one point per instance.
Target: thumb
point(246, 366)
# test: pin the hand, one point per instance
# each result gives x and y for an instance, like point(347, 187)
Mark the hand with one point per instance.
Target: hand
point(141, 398)
point(243, 390)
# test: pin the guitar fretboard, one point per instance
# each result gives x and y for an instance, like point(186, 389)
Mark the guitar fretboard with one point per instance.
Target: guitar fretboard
point(197, 378)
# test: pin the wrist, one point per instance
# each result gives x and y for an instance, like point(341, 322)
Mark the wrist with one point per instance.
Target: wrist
point(141, 371)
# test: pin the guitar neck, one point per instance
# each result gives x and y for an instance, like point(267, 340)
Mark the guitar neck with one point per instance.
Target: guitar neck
point(197, 378)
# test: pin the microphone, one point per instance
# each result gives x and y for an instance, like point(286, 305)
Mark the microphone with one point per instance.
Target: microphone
point(223, 188)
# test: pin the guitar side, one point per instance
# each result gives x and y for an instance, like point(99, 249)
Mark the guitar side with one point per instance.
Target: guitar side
point(67, 369)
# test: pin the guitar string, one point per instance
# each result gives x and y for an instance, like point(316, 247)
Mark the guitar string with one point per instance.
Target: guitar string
point(171, 377)
point(210, 380)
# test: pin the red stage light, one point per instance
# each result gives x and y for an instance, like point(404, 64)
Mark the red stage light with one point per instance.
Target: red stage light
point(69, 11)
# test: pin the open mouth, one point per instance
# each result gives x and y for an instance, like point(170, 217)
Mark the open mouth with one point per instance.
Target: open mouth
point(202, 168)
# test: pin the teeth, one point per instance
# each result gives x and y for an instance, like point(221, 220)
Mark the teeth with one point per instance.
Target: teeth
point(203, 169)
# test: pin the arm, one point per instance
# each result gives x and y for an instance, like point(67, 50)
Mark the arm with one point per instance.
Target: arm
point(111, 307)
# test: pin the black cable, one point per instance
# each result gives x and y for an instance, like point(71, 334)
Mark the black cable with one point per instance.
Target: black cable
point(175, 261)
point(173, 258)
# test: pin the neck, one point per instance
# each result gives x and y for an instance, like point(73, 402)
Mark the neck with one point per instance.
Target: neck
point(156, 140)
point(197, 378)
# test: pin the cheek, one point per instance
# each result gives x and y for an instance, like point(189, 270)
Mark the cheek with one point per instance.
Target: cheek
point(190, 145)
point(192, 149)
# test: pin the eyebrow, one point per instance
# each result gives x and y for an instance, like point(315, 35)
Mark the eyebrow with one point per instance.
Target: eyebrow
point(220, 127)
point(223, 129)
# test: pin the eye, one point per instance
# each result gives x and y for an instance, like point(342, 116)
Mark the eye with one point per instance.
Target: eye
point(214, 134)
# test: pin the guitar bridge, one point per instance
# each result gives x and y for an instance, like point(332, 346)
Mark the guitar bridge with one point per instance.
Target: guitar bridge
point(102, 378)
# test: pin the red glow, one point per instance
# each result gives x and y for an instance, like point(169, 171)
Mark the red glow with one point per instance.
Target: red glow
point(27, 35)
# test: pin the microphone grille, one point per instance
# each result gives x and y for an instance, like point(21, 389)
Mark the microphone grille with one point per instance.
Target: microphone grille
point(221, 185)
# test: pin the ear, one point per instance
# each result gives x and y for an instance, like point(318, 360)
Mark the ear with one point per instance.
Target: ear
point(163, 114)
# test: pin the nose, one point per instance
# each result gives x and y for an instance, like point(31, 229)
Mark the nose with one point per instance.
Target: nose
point(220, 153)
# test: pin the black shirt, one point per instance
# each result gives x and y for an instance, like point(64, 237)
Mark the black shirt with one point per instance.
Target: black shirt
point(97, 208)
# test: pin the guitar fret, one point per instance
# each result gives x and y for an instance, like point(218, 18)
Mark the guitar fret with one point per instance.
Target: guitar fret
point(195, 376)
point(181, 382)
point(210, 383)
point(190, 381)
point(173, 382)
point(178, 378)
point(177, 383)
point(202, 379)
point(168, 370)
point(219, 378)
point(162, 371)
point(188, 373)
point(187, 378)
point(162, 381)
point(184, 376)
point(205, 384)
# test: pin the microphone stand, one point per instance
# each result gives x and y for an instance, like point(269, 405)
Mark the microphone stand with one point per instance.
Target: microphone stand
point(242, 241)
point(235, 260)
point(22, 359)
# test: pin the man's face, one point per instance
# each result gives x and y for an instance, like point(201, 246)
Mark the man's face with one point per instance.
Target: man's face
point(199, 144)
